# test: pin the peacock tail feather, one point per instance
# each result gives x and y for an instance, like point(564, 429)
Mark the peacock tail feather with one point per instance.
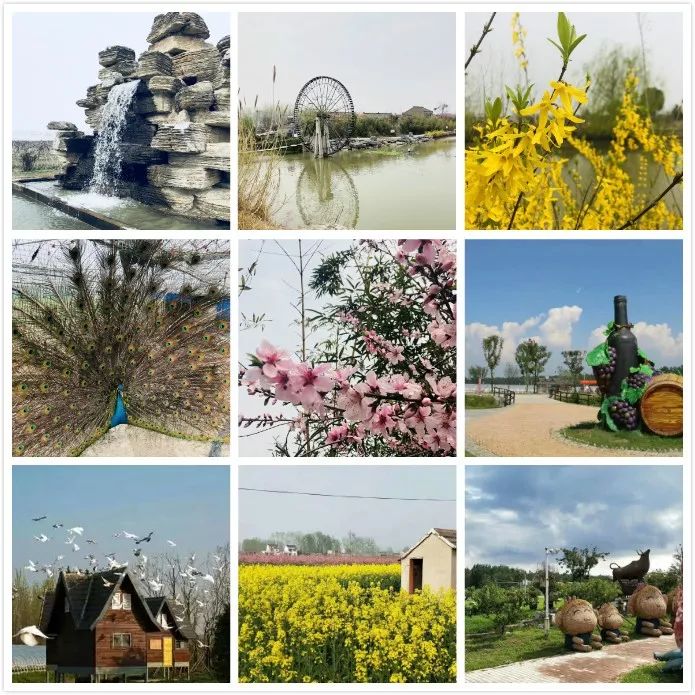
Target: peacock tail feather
point(113, 318)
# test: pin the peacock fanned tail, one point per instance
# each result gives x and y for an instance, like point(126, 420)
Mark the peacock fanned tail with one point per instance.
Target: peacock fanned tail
point(111, 321)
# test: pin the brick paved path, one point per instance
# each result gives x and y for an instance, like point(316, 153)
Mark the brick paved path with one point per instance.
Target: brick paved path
point(604, 666)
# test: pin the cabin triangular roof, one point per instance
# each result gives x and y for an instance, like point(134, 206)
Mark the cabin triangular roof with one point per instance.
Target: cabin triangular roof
point(446, 535)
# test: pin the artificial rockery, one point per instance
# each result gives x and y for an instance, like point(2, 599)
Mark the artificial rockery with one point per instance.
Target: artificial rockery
point(172, 148)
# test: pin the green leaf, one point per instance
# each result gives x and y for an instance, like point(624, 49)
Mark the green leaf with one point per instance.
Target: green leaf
point(563, 29)
point(576, 42)
point(559, 48)
point(598, 356)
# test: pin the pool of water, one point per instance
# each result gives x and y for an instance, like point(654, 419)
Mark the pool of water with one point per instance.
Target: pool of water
point(29, 214)
point(128, 212)
point(370, 189)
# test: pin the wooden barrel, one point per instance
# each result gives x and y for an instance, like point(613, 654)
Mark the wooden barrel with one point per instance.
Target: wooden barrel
point(661, 406)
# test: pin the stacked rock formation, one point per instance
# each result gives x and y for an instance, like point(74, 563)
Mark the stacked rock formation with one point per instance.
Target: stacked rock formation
point(175, 144)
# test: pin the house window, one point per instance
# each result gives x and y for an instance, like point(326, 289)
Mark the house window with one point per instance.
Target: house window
point(156, 645)
point(120, 640)
point(181, 644)
point(120, 601)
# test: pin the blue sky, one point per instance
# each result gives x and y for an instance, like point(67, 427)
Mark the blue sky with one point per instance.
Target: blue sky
point(514, 512)
point(562, 292)
point(186, 504)
point(55, 57)
point(388, 61)
point(394, 524)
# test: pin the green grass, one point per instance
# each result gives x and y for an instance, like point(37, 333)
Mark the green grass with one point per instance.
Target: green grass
point(200, 676)
point(31, 677)
point(594, 435)
point(518, 645)
point(651, 673)
point(521, 644)
point(478, 402)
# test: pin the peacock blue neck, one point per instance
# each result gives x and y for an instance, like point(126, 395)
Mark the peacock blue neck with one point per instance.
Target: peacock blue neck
point(120, 415)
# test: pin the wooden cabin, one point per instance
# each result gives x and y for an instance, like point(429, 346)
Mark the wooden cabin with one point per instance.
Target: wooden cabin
point(430, 562)
point(102, 633)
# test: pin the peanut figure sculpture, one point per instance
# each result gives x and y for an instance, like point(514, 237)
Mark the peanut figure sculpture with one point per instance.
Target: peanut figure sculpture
point(648, 605)
point(610, 621)
point(577, 620)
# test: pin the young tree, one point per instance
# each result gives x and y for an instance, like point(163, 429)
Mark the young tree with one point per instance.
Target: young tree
point(492, 350)
point(532, 358)
point(574, 361)
point(476, 374)
point(511, 373)
point(580, 561)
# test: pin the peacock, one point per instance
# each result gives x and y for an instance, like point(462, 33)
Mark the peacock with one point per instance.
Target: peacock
point(124, 331)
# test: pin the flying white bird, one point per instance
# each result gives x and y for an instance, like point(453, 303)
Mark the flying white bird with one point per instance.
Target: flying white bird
point(177, 602)
point(106, 584)
point(202, 646)
point(42, 538)
point(208, 578)
point(130, 536)
point(76, 529)
point(75, 547)
point(156, 584)
point(179, 618)
point(200, 603)
point(47, 570)
point(172, 544)
point(70, 540)
point(29, 634)
point(58, 525)
point(145, 539)
point(90, 541)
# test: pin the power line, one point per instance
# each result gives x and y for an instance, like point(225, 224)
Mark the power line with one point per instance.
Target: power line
point(351, 497)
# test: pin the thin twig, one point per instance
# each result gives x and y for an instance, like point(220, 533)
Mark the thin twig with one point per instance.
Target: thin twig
point(676, 180)
point(476, 48)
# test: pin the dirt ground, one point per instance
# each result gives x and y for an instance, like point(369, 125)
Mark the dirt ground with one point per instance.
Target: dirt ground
point(529, 428)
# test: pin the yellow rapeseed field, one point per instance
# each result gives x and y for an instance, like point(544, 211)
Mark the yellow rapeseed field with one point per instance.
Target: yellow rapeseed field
point(342, 623)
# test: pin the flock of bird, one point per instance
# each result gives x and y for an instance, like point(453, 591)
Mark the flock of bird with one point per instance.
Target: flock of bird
point(111, 563)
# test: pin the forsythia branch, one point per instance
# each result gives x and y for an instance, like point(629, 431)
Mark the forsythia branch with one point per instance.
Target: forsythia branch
point(476, 48)
point(676, 180)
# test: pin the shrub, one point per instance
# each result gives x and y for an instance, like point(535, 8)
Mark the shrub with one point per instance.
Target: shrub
point(594, 590)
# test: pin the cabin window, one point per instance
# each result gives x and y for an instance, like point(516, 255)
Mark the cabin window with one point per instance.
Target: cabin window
point(156, 645)
point(120, 601)
point(120, 640)
point(180, 644)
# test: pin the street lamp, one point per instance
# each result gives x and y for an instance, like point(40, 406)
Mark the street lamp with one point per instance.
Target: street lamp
point(548, 551)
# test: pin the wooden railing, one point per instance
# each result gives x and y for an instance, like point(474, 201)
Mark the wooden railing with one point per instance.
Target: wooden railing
point(580, 397)
point(505, 396)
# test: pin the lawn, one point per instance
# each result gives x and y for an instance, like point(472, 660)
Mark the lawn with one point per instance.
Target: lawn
point(651, 673)
point(594, 435)
point(478, 402)
point(520, 644)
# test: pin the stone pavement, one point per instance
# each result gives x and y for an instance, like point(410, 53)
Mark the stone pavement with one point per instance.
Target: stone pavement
point(127, 440)
point(604, 666)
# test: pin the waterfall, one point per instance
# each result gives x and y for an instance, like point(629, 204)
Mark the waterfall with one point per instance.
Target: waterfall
point(107, 156)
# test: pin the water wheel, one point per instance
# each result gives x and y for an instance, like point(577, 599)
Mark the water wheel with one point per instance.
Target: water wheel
point(324, 115)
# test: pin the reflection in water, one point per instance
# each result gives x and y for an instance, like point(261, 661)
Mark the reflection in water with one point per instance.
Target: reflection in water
point(389, 188)
point(326, 195)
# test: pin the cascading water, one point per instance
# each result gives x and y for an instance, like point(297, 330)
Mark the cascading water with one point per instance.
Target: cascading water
point(107, 155)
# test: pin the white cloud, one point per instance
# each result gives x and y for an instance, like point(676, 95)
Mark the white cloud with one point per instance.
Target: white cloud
point(557, 328)
point(553, 329)
point(656, 339)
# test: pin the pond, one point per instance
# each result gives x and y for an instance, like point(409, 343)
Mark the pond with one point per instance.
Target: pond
point(411, 187)
point(657, 180)
point(128, 212)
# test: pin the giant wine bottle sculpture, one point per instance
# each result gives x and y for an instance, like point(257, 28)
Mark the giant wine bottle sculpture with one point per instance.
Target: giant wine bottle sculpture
point(624, 342)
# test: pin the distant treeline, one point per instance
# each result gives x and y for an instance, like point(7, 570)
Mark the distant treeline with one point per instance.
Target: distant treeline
point(315, 543)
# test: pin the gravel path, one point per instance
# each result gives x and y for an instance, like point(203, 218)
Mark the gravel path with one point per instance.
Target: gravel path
point(529, 427)
point(604, 666)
